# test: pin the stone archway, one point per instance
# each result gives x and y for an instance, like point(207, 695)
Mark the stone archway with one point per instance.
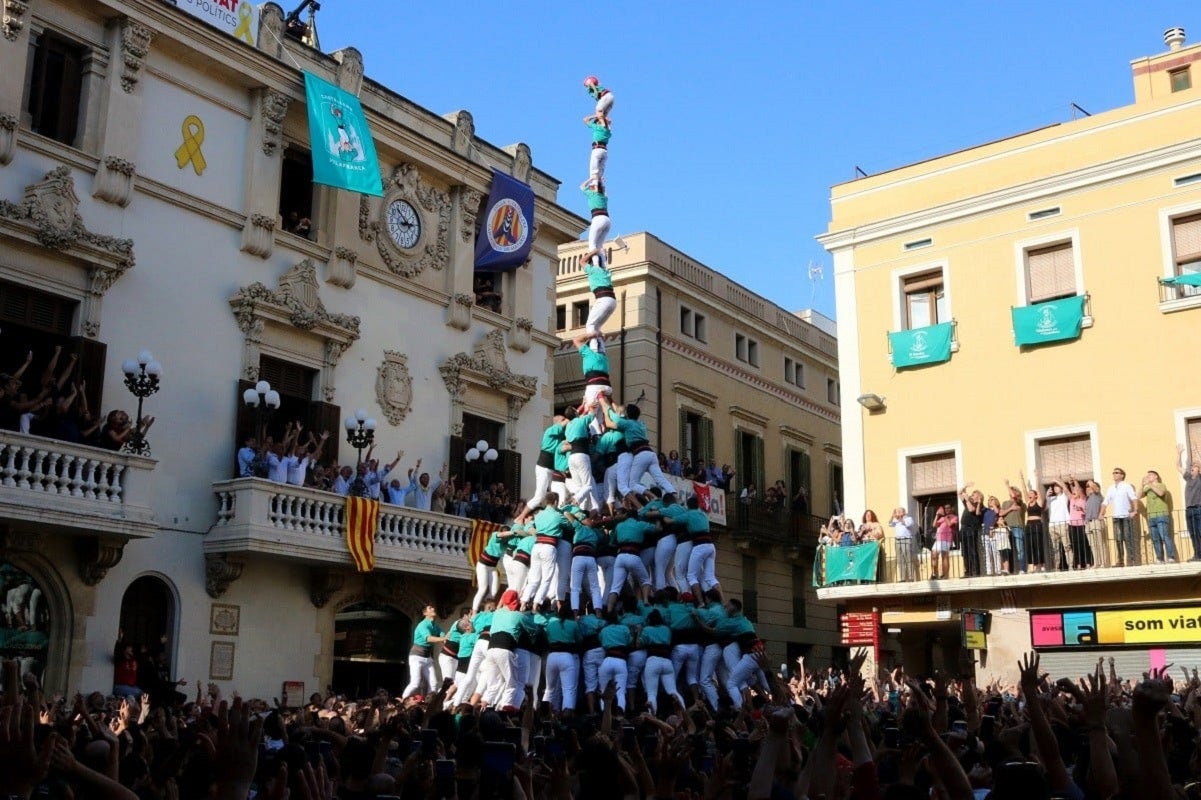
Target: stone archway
point(371, 646)
point(148, 615)
point(47, 612)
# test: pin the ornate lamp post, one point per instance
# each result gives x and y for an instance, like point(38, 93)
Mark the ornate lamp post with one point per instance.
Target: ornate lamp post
point(360, 433)
point(483, 453)
point(142, 379)
point(265, 402)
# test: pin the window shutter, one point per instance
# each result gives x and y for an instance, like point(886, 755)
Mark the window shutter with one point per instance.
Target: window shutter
point(510, 472)
point(456, 463)
point(760, 470)
point(90, 368)
point(806, 474)
point(740, 460)
point(1051, 272)
point(328, 417)
point(706, 443)
point(1186, 238)
point(682, 442)
point(1071, 456)
point(1192, 436)
point(924, 282)
point(933, 474)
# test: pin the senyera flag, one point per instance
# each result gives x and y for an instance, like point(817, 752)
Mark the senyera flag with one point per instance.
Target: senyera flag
point(342, 148)
point(506, 227)
point(481, 531)
point(362, 519)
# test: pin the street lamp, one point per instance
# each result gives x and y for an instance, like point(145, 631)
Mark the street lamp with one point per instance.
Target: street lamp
point(265, 402)
point(360, 433)
point(483, 453)
point(142, 379)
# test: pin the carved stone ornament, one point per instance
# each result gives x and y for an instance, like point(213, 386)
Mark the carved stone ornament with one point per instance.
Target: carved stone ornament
point(14, 18)
point(463, 135)
point(324, 583)
point(521, 334)
point(486, 367)
point(135, 44)
point(258, 235)
point(433, 249)
point(368, 228)
point(522, 162)
point(296, 302)
point(271, 30)
point(114, 181)
point(469, 207)
point(458, 313)
point(97, 556)
point(219, 573)
point(394, 386)
point(349, 75)
point(8, 137)
point(275, 108)
point(341, 270)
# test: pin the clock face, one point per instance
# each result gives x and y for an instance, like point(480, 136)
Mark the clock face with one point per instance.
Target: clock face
point(404, 226)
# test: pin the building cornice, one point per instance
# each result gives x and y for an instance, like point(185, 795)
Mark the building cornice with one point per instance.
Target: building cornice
point(699, 396)
point(1028, 192)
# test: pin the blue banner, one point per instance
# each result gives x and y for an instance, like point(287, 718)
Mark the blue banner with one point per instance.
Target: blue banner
point(505, 237)
point(921, 346)
point(342, 148)
point(1052, 321)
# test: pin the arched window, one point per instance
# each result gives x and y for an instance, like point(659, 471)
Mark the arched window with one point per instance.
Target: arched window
point(371, 647)
point(25, 627)
point(148, 613)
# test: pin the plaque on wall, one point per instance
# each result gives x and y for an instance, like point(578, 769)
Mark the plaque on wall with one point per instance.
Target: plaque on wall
point(224, 619)
point(293, 695)
point(221, 661)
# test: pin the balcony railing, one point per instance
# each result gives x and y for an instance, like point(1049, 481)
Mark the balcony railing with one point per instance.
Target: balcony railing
point(260, 516)
point(972, 568)
point(74, 487)
point(757, 524)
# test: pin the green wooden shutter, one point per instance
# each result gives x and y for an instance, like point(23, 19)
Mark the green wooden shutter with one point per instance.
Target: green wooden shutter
point(706, 437)
point(806, 474)
point(683, 431)
point(760, 476)
point(741, 478)
point(328, 417)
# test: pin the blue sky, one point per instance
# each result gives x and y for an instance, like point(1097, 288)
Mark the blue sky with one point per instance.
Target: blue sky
point(732, 120)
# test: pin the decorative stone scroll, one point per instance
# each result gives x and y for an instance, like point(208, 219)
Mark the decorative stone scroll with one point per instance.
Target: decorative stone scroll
point(114, 181)
point(219, 573)
point(135, 44)
point(487, 368)
point(394, 386)
point(97, 555)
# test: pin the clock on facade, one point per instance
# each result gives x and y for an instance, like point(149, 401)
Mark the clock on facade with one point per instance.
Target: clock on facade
point(404, 225)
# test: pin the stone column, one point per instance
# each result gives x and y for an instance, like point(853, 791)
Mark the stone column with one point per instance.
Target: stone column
point(121, 104)
point(14, 54)
point(264, 165)
point(460, 278)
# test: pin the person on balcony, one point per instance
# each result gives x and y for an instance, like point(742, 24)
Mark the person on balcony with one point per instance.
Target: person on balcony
point(421, 488)
point(1058, 517)
point(1013, 511)
point(1190, 470)
point(303, 455)
point(1122, 503)
point(946, 525)
point(118, 428)
point(1094, 525)
point(904, 534)
point(1159, 523)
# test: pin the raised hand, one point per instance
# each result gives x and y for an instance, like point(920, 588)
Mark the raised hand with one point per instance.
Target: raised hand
point(1028, 668)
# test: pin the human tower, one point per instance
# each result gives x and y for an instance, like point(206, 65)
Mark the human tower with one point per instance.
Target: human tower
point(610, 584)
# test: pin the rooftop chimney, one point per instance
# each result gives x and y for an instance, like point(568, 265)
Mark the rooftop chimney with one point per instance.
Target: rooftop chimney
point(1174, 38)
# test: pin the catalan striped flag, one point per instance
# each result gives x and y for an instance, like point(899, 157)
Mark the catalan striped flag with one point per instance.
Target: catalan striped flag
point(481, 531)
point(362, 520)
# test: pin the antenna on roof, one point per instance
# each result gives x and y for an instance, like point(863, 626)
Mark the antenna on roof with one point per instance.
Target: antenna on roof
point(304, 32)
point(1076, 108)
point(859, 173)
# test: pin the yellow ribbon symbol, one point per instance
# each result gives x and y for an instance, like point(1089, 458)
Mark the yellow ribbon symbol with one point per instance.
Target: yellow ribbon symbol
point(189, 151)
point(243, 30)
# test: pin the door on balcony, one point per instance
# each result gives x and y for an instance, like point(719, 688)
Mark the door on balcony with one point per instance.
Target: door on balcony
point(371, 646)
point(148, 615)
point(25, 625)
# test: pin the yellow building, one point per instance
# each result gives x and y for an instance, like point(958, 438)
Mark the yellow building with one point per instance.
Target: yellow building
point(1069, 238)
point(724, 375)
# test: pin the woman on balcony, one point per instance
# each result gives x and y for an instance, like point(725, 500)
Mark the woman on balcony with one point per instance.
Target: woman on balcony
point(1035, 541)
point(946, 526)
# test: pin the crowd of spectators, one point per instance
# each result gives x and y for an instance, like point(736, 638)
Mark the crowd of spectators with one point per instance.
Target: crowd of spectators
point(1053, 524)
point(59, 409)
point(835, 734)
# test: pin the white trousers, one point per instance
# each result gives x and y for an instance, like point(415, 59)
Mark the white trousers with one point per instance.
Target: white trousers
point(592, 662)
point(562, 568)
point(745, 673)
point(580, 465)
point(489, 584)
point(624, 462)
point(613, 670)
point(644, 462)
point(522, 676)
point(683, 553)
point(665, 551)
point(541, 487)
point(560, 490)
point(471, 681)
point(702, 566)
point(591, 392)
point(711, 665)
point(686, 659)
point(516, 573)
point(604, 568)
point(601, 310)
point(628, 565)
point(421, 674)
point(504, 673)
point(604, 104)
point(596, 163)
point(635, 663)
point(598, 230)
point(447, 665)
point(657, 673)
point(584, 574)
point(562, 680)
point(540, 583)
point(611, 484)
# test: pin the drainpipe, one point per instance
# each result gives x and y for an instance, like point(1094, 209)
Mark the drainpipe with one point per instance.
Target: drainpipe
point(622, 344)
point(659, 366)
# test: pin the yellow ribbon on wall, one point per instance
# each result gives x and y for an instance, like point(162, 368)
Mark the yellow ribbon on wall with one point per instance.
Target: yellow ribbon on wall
point(243, 32)
point(189, 152)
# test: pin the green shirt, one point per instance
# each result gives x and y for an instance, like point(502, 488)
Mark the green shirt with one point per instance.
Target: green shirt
point(590, 625)
point(655, 635)
point(632, 429)
point(552, 437)
point(597, 200)
point(598, 277)
point(733, 627)
point(506, 621)
point(634, 531)
point(577, 429)
point(495, 547)
point(526, 544)
point(593, 361)
point(560, 461)
point(424, 630)
point(563, 631)
point(1156, 506)
point(615, 636)
point(467, 644)
point(600, 134)
point(550, 522)
point(609, 442)
point(482, 621)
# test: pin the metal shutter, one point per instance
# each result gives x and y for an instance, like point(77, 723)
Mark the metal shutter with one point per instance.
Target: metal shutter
point(934, 474)
point(1051, 272)
point(1071, 456)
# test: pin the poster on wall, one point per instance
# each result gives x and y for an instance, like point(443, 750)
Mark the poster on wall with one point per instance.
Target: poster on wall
point(221, 661)
point(238, 18)
point(25, 626)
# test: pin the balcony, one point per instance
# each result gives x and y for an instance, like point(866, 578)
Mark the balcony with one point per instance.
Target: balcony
point(98, 496)
point(757, 525)
point(887, 583)
point(309, 526)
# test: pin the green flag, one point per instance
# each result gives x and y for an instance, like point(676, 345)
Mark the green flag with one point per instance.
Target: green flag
point(1187, 279)
point(920, 346)
point(1052, 321)
point(856, 563)
point(343, 152)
